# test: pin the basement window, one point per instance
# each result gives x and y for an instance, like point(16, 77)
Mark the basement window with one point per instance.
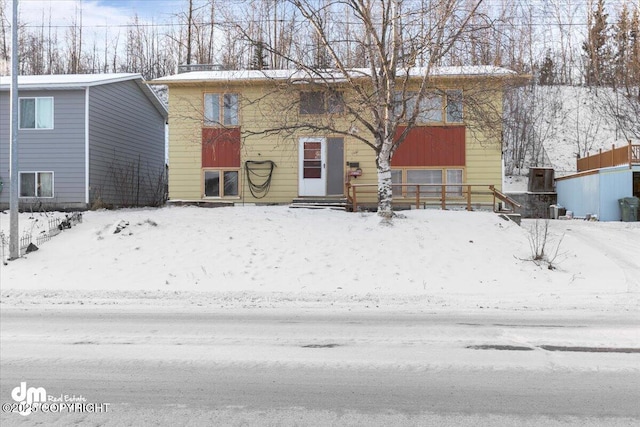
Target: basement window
point(427, 176)
point(221, 183)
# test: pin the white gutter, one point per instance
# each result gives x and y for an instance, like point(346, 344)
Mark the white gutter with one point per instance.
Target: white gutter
point(86, 146)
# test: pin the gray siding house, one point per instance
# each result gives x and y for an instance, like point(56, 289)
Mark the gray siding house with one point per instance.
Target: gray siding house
point(84, 140)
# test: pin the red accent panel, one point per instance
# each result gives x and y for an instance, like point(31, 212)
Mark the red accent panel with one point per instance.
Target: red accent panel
point(431, 146)
point(221, 147)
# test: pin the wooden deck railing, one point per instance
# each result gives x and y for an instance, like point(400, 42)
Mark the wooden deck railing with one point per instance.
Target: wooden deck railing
point(625, 155)
point(442, 194)
point(506, 199)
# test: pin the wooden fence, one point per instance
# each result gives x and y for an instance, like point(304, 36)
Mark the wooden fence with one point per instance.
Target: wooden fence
point(53, 228)
point(625, 155)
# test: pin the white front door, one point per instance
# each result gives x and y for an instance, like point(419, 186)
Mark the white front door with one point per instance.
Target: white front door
point(312, 166)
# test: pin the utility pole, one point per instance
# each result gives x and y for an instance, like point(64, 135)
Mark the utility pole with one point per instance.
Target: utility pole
point(189, 29)
point(14, 240)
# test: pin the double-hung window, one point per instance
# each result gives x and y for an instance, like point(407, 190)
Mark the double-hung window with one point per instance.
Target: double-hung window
point(36, 184)
point(221, 109)
point(36, 113)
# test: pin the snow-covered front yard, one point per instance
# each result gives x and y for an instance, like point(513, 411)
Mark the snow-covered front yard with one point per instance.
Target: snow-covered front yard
point(277, 256)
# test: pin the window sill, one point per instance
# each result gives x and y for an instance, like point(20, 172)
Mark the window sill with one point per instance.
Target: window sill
point(230, 198)
point(35, 198)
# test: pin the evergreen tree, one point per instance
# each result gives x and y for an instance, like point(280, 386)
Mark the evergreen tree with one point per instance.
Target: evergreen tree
point(634, 51)
point(621, 49)
point(259, 61)
point(321, 59)
point(547, 71)
point(597, 54)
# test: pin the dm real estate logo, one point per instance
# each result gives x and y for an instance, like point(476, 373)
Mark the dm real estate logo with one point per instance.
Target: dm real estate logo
point(28, 397)
point(28, 400)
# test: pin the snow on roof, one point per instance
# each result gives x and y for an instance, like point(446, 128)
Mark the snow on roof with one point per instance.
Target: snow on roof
point(335, 75)
point(67, 81)
point(81, 81)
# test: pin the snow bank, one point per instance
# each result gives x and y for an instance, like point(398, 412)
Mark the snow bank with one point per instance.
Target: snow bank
point(247, 256)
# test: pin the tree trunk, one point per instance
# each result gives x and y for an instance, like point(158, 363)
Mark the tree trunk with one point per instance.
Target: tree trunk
point(385, 189)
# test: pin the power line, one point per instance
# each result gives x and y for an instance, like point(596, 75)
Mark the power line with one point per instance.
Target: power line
point(540, 19)
point(228, 23)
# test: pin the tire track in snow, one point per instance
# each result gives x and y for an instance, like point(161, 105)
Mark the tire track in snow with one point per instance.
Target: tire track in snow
point(617, 247)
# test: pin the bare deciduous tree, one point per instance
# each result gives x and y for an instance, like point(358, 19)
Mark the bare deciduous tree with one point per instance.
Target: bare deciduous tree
point(379, 99)
point(529, 116)
point(74, 42)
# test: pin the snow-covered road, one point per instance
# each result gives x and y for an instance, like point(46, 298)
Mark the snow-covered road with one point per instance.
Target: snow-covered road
point(356, 338)
point(343, 366)
point(276, 316)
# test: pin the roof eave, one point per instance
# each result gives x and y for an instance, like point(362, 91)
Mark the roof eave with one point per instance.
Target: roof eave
point(324, 77)
point(153, 98)
point(72, 85)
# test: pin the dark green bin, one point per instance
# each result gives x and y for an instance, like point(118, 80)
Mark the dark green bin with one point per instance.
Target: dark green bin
point(629, 208)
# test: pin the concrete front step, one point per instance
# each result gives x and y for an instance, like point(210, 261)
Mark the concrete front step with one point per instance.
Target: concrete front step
point(517, 218)
point(320, 203)
point(303, 206)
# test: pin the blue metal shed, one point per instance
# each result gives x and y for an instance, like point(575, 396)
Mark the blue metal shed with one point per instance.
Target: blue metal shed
point(597, 191)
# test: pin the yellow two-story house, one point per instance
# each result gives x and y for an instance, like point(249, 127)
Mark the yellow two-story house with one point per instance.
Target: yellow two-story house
point(264, 136)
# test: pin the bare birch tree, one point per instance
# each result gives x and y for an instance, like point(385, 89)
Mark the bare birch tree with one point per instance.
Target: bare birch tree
point(384, 97)
point(74, 42)
point(528, 124)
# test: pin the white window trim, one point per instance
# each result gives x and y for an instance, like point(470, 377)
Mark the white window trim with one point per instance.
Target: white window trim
point(53, 186)
point(53, 124)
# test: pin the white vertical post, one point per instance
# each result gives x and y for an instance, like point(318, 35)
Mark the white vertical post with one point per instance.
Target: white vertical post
point(14, 240)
